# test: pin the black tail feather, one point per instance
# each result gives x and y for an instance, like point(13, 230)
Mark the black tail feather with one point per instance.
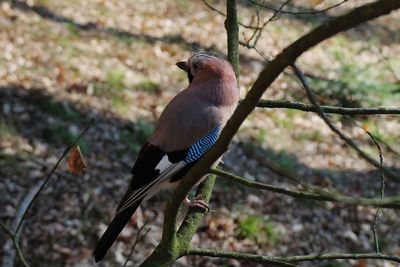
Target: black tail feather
point(113, 230)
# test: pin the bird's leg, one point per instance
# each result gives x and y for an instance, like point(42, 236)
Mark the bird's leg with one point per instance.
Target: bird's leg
point(220, 163)
point(196, 202)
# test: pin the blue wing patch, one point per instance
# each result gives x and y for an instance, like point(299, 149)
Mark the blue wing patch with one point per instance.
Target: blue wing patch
point(198, 149)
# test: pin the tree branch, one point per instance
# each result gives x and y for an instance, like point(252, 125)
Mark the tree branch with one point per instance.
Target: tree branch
point(8, 258)
point(346, 139)
point(193, 218)
point(51, 173)
point(312, 257)
point(239, 256)
point(232, 29)
point(259, 30)
point(382, 193)
point(174, 243)
point(32, 196)
point(297, 12)
point(319, 194)
point(327, 109)
point(138, 239)
point(264, 80)
point(224, 15)
point(15, 243)
point(269, 74)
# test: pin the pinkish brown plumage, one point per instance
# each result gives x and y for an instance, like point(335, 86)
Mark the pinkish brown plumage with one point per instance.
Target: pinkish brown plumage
point(210, 98)
point(188, 127)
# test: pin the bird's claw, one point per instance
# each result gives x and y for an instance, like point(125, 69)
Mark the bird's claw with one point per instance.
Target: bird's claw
point(197, 202)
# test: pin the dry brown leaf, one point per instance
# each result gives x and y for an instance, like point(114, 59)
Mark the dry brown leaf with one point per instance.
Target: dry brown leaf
point(361, 263)
point(60, 73)
point(75, 162)
point(366, 127)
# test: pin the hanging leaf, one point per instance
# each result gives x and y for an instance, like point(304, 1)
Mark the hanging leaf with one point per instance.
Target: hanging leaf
point(75, 162)
point(367, 127)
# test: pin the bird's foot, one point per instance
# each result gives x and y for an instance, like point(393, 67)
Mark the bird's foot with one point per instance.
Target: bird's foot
point(197, 202)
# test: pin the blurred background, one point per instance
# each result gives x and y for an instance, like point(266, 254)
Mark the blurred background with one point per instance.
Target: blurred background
point(63, 63)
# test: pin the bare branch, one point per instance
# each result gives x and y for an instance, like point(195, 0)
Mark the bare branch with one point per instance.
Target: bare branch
point(382, 193)
point(223, 14)
point(239, 256)
point(258, 32)
point(327, 109)
point(266, 77)
point(318, 194)
point(16, 245)
point(232, 29)
point(138, 239)
point(342, 136)
point(312, 257)
point(50, 174)
point(272, 166)
point(387, 146)
point(193, 218)
point(385, 59)
point(8, 258)
point(29, 199)
point(297, 12)
point(264, 80)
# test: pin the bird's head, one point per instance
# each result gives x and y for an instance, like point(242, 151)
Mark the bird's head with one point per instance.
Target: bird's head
point(211, 77)
point(203, 63)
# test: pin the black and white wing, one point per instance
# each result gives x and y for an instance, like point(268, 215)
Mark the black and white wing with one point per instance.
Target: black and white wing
point(155, 169)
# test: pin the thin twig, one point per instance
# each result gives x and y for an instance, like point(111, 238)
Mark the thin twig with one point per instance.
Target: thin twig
point(389, 66)
point(266, 260)
point(327, 109)
point(316, 194)
point(223, 14)
point(312, 257)
point(8, 258)
point(342, 136)
point(298, 12)
point(51, 173)
point(382, 194)
point(137, 240)
point(255, 30)
point(387, 146)
point(258, 32)
point(272, 166)
point(16, 245)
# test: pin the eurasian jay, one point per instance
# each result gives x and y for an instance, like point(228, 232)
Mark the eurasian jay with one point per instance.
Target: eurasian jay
point(187, 128)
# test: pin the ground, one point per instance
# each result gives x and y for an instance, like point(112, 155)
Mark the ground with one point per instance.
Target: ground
point(66, 62)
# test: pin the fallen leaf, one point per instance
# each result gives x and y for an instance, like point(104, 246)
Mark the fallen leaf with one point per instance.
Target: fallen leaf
point(361, 263)
point(60, 73)
point(77, 87)
point(75, 162)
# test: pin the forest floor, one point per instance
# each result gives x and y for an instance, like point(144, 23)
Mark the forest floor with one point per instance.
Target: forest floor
point(63, 63)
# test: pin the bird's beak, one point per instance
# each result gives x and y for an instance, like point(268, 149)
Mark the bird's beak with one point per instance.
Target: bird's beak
point(182, 65)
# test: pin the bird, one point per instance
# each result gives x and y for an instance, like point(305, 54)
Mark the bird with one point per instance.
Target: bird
point(187, 128)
